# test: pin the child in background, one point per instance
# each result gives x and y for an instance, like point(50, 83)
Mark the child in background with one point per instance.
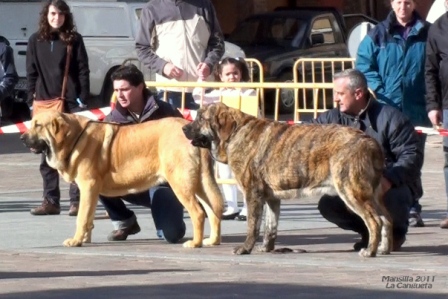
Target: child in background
point(228, 70)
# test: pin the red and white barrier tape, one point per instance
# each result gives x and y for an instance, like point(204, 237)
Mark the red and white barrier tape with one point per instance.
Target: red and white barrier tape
point(432, 131)
point(100, 114)
point(95, 114)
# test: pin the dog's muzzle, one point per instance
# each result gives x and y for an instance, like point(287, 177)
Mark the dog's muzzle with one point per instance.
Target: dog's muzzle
point(201, 141)
point(197, 139)
point(37, 146)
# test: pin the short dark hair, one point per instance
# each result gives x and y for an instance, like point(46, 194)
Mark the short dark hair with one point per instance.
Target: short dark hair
point(239, 62)
point(129, 73)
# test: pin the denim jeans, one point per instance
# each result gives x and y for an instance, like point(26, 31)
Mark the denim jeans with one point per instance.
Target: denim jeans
point(175, 99)
point(445, 152)
point(397, 201)
point(167, 211)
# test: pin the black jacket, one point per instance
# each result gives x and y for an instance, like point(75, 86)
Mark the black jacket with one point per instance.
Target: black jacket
point(436, 65)
point(397, 136)
point(45, 65)
point(154, 109)
point(8, 73)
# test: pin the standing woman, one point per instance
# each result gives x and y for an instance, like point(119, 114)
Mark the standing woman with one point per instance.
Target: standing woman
point(45, 65)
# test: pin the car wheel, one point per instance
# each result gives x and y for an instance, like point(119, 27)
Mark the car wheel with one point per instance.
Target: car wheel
point(286, 101)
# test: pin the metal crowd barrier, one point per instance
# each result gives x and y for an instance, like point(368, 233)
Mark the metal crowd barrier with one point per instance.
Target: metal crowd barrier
point(316, 70)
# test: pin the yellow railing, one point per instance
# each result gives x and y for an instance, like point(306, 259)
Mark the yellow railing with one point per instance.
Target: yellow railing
point(316, 70)
point(251, 63)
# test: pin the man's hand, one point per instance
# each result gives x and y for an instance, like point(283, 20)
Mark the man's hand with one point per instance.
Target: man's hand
point(435, 116)
point(203, 70)
point(385, 185)
point(171, 71)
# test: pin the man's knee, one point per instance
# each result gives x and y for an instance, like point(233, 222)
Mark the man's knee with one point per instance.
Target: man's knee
point(174, 233)
point(331, 208)
point(168, 214)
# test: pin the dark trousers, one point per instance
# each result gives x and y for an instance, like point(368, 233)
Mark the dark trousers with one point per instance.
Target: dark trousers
point(397, 201)
point(175, 99)
point(445, 152)
point(50, 177)
point(167, 211)
point(416, 206)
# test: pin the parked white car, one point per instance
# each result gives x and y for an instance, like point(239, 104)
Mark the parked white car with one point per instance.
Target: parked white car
point(108, 29)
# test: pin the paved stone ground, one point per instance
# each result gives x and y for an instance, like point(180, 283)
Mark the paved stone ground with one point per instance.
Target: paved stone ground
point(33, 263)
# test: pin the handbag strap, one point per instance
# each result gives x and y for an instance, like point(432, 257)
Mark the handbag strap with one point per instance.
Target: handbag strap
point(67, 65)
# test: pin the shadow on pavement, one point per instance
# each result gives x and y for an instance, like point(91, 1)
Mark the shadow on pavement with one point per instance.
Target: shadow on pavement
point(19, 275)
point(221, 290)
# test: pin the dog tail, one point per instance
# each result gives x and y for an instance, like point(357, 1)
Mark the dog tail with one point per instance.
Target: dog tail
point(209, 184)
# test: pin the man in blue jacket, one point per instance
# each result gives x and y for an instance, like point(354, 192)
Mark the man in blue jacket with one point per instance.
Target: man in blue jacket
point(136, 104)
point(8, 73)
point(400, 143)
point(392, 57)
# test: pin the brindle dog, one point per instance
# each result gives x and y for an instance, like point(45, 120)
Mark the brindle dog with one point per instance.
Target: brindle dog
point(273, 161)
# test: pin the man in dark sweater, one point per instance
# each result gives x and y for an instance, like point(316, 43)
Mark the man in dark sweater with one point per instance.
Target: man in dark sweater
point(136, 104)
point(436, 74)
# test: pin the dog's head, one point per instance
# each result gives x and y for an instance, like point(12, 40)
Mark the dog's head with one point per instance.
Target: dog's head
point(213, 128)
point(49, 132)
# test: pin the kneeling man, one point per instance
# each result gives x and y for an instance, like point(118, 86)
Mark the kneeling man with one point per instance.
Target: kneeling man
point(401, 181)
point(136, 104)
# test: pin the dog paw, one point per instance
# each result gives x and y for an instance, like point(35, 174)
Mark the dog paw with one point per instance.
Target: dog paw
point(240, 250)
point(210, 242)
point(72, 243)
point(263, 248)
point(383, 249)
point(366, 253)
point(191, 244)
point(87, 240)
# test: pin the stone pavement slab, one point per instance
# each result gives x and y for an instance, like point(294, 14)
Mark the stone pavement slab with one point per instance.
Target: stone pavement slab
point(33, 263)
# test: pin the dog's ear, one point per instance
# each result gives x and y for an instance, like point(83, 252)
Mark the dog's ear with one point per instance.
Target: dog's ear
point(55, 126)
point(226, 125)
point(59, 124)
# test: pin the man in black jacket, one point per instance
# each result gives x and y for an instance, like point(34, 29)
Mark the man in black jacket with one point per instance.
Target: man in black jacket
point(436, 74)
point(8, 73)
point(401, 181)
point(136, 104)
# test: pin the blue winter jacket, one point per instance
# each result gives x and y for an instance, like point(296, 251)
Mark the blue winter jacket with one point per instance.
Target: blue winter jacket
point(395, 67)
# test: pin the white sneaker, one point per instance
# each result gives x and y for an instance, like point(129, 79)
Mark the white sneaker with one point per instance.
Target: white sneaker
point(229, 214)
point(230, 211)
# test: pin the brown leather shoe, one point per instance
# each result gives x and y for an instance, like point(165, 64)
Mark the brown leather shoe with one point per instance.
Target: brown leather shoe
point(46, 208)
point(73, 211)
point(122, 234)
point(444, 223)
